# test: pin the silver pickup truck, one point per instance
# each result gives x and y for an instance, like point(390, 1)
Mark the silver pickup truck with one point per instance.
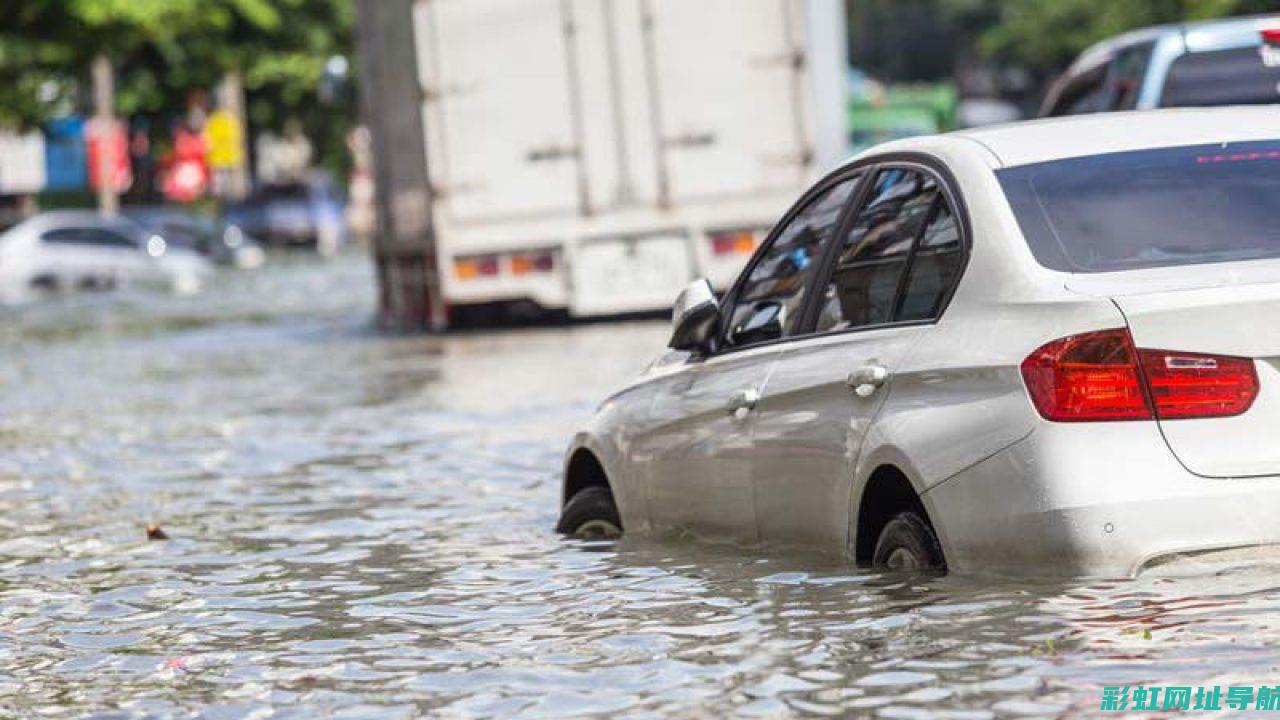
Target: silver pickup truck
point(1217, 62)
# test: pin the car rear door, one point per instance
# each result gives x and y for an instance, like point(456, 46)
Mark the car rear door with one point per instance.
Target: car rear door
point(891, 273)
point(697, 451)
point(71, 258)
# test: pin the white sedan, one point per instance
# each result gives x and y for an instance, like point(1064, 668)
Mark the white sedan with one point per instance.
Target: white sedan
point(69, 250)
point(1051, 346)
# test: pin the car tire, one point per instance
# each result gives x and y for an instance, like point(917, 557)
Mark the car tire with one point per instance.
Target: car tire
point(591, 515)
point(908, 543)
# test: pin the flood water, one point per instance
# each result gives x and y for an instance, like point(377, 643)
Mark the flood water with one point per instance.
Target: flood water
point(359, 525)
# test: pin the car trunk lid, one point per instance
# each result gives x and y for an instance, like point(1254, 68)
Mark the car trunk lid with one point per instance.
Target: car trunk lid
point(1232, 309)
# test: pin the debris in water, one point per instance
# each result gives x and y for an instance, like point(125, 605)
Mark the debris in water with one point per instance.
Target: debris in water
point(155, 532)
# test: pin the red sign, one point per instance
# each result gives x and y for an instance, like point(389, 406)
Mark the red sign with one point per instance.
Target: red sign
point(108, 151)
point(186, 174)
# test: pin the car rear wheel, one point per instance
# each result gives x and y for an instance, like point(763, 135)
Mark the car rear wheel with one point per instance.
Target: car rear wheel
point(908, 543)
point(591, 515)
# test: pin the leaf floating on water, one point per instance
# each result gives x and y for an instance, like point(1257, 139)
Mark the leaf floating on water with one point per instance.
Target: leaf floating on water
point(155, 532)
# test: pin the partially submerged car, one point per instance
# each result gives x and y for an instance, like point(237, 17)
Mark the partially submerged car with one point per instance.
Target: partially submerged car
point(303, 213)
point(221, 242)
point(1045, 346)
point(1209, 63)
point(69, 250)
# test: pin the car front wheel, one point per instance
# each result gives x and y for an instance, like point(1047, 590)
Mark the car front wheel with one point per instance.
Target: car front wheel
point(591, 515)
point(907, 542)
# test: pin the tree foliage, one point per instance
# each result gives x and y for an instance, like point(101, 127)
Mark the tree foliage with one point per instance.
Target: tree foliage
point(162, 50)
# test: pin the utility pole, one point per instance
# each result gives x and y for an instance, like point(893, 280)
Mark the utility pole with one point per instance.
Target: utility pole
point(104, 117)
point(404, 248)
point(233, 103)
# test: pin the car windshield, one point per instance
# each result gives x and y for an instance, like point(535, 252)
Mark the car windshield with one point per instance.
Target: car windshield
point(1150, 208)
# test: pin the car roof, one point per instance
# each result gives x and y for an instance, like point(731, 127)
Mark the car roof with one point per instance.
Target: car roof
point(53, 219)
point(1046, 139)
point(1199, 35)
point(62, 217)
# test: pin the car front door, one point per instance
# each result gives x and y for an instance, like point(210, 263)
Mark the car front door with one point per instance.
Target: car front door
point(888, 279)
point(696, 450)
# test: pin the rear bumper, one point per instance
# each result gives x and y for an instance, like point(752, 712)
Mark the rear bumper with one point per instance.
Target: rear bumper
point(1094, 499)
point(599, 276)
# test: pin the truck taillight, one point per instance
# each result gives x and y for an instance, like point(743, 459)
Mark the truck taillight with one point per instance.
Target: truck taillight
point(735, 242)
point(538, 262)
point(1100, 376)
point(470, 267)
point(474, 266)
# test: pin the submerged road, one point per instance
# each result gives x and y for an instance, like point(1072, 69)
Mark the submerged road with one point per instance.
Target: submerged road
point(358, 525)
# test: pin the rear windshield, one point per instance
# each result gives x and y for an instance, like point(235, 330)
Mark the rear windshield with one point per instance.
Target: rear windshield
point(1150, 208)
point(1223, 77)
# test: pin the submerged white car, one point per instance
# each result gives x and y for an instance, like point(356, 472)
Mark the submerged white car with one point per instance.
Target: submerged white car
point(1051, 346)
point(68, 250)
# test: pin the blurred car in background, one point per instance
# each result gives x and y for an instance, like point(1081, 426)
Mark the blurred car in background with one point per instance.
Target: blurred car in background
point(296, 213)
point(70, 250)
point(221, 242)
point(1217, 62)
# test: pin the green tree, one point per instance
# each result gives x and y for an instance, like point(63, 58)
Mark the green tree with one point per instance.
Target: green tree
point(163, 50)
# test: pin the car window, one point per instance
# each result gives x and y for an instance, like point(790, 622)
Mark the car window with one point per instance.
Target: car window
point(63, 236)
point(282, 192)
point(1127, 72)
point(934, 267)
point(184, 235)
point(1238, 76)
point(770, 299)
point(1083, 93)
point(1149, 208)
point(874, 253)
point(107, 238)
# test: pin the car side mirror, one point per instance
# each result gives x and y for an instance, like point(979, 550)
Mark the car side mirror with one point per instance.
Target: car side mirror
point(694, 317)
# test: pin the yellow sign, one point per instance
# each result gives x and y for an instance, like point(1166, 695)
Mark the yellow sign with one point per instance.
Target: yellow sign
point(225, 139)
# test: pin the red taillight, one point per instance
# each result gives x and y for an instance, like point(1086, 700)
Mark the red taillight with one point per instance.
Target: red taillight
point(1190, 385)
point(1092, 376)
point(1096, 376)
point(1270, 36)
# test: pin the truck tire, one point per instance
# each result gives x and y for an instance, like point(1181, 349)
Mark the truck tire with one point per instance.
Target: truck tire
point(908, 543)
point(591, 515)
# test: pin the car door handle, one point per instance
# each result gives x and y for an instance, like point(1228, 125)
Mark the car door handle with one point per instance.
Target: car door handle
point(866, 380)
point(743, 402)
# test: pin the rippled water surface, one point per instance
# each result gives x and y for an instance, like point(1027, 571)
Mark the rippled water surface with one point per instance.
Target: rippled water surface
point(359, 527)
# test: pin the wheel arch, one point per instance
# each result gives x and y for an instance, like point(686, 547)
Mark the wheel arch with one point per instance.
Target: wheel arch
point(887, 491)
point(583, 468)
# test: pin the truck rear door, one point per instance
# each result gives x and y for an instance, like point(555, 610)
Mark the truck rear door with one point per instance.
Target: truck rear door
point(499, 108)
point(727, 79)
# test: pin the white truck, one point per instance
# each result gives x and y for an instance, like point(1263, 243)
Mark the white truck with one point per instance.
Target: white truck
point(591, 157)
